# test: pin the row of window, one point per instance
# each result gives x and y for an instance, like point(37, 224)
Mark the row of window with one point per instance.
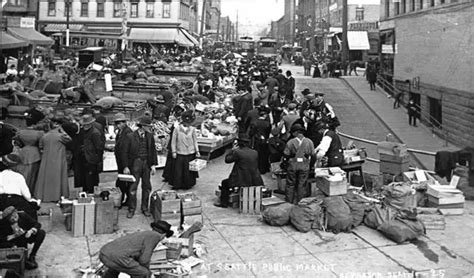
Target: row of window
point(118, 9)
point(404, 6)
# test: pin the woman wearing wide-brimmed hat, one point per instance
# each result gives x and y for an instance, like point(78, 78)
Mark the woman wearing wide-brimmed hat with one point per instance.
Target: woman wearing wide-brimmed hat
point(184, 149)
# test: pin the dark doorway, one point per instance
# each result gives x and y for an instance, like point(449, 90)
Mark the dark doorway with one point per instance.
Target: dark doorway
point(435, 112)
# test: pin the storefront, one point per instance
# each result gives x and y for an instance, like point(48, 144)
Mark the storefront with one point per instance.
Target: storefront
point(165, 35)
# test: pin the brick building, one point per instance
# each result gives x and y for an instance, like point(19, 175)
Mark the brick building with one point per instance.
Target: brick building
point(105, 22)
point(434, 62)
point(283, 30)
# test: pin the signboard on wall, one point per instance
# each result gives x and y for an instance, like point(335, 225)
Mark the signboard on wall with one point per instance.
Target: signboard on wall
point(27, 22)
point(389, 49)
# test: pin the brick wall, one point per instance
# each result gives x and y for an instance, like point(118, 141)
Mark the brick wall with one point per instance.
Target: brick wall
point(439, 51)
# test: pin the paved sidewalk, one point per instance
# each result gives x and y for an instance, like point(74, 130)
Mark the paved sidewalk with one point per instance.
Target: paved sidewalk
point(420, 138)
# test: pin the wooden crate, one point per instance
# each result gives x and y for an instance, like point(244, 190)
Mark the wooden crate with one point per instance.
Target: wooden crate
point(186, 243)
point(393, 168)
point(83, 219)
point(250, 199)
point(234, 198)
point(432, 221)
point(104, 217)
point(191, 219)
point(331, 188)
point(394, 158)
point(18, 263)
point(190, 204)
point(174, 218)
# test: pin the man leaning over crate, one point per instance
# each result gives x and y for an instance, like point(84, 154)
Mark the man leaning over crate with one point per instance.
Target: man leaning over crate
point(244, 172)
point(141, 159)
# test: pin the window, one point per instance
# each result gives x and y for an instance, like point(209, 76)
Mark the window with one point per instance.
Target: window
point(51, 8)
point(397, 8)
point(134, 9)
point(421, 4)
point(85, 8)
point(432, 3)
point(359, 14)
point(166, 10)
point(68, 7)
point(150, 9)
point(404, 6)
point(387, 8)
point(117, 9)
point(100, 9)
point(436, 113)
point(412, 5)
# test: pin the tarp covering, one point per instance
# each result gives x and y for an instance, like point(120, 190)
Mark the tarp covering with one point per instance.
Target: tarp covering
point(30, 35)
point(161, 35)
point(358, 40)
point(8, 41)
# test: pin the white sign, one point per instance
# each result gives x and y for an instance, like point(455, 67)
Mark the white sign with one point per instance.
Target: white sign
point(108, 82)
point(389, 49)
point(27, 22)
point(333, 7)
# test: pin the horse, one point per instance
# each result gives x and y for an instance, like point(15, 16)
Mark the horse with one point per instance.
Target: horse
point(353, 65)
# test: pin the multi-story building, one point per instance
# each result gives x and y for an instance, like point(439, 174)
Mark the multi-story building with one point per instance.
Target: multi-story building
point(427, 52)
point(284, 30)
point(106, 23)
point(322, 26)
point(226, 27)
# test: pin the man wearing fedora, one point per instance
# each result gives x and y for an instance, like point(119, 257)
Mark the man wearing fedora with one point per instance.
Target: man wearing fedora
point(93, 149)
point(19, 230)
point(122, 130)
point(141, 158)
point(297, 153)
point(244, 172)
point(131, 254)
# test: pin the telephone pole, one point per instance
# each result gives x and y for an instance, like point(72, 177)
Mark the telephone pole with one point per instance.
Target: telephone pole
point(345, 45)
point(218, 24)
point(203, 17)
point(237, 27)
point(67, 23)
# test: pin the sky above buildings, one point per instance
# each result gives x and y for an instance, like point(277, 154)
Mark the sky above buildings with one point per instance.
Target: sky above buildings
point(254, 15)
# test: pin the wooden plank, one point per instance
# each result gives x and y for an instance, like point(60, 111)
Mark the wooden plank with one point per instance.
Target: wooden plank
point(258, 199)
point(89, 219)
point(104, 217)
point(244, 200)
point(78, 219)
point(251, 201)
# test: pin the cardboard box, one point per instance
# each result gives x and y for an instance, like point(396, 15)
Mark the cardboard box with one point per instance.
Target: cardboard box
point(83, 219)
point(104, 217)
point(419, 176)
point(331, 187)
point(393, 168)
point(394, 158)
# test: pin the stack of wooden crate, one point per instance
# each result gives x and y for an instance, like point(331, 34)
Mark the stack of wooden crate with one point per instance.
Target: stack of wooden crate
point(331, 181)
point(394, 160)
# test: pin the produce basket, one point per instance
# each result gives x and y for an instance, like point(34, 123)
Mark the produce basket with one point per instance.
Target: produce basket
point(197, 165)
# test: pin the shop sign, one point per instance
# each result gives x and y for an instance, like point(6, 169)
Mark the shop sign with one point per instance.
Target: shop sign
point(389, 49)
point(363, 26)
point(27, 22)
point(333, 7)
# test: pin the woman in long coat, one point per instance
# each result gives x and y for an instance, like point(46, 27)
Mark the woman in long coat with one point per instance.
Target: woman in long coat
point(52, 180)
point(30, 155)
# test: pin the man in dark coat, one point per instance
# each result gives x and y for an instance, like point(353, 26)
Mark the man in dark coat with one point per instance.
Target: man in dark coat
point(278, 104)
point(245, 171)
point(6, 137)
point(243, 104)
point(290, 86)
point(93, 148)
point(141, 159)
point(271, 83)
point(281, 80)
point(252, 115)
point(123, 132)
point(131, 254)
point(19, 230)
point(259, 132)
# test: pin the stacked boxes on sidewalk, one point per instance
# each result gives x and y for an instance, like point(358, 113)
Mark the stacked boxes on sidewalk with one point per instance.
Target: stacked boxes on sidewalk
point(176, 208)
point(394, 160)
point(331, 181)
point(191, 208)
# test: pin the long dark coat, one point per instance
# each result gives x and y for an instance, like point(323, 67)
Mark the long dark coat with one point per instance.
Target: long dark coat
point(245, 171)
point(120, 148)
point(132, 146)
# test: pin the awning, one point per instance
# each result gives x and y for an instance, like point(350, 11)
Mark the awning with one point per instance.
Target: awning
point(161, 35)
point(358, 40)
point(8, 41)
point(30, 35)
point(62, 27)
point(190, 37)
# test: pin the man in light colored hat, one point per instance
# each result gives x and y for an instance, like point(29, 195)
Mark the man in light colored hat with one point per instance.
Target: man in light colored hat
point(93, 149)
point(141, 161)
point(122, 132)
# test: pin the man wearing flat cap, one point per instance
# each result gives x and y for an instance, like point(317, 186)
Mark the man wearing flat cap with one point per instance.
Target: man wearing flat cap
point(131, 254)
point(93, 149)
point(122, 130)
point(244, 172)
point(298, 154)
point(20, 229)
point(141, 161)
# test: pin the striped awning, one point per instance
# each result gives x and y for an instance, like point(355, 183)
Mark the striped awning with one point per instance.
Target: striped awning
point(8, 41)
point(62, 27)
point(30, 35)
point(162, 36)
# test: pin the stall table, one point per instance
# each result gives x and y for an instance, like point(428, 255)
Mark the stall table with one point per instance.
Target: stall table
point(207, 148)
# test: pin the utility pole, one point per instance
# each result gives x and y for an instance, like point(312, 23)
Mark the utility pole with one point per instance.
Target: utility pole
point(237, 28)
point(218, 24)
point(203, 17)
point(345, 46)
point(67, 22)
